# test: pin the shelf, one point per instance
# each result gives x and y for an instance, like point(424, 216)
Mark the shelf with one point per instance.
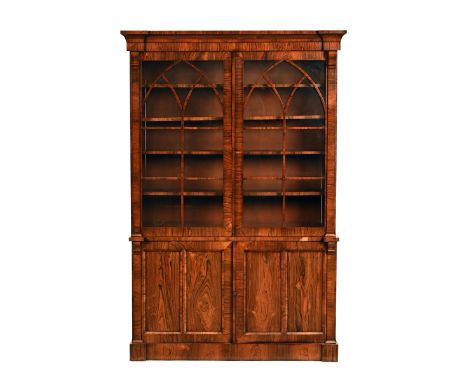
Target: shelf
point(248, 86)
point(303, 193)
point(287, 128)
point(286, 178)
point(304, 178)
point(264, 193)
point(281, 153)
point(279, 117)
point(179, 178)
point(170, 119)
point(179, 128)
point(287, 193)
point(179, 152)
point(182, 86)
point(188, 193)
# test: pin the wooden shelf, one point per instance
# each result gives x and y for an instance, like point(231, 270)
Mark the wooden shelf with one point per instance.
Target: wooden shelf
point(279, 117)
point(179, 152)
point(286, 178)
point(287, 127)
point(188, 193)
point(182, 86)
point(304, 178)
point(175, 119)
point(281, 153)
point(280, 86)
point(262, 193)
point(180, 128)
point(190, 178)
point(287, 193)
point(303, 193)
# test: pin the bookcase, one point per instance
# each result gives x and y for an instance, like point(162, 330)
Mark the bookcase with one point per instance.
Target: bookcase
point(233, 189)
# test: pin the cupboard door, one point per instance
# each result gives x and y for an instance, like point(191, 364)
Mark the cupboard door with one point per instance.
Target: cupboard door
point(281, 124)
point(280, 292)
point(186, 143)
point(187, 292)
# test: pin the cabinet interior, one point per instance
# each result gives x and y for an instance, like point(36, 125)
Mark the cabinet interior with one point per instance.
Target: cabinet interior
point(283, 143)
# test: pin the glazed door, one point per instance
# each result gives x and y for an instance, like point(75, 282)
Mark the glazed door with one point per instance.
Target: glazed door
point(280, 143)
point(280, 292)
point(186, 150)
point(187, 289)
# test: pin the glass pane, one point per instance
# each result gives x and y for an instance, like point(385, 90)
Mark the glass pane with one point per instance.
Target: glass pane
point(182, 134)
point(161, 211)
point(203, 211)
point(303, 211)
point(262, 211)
point(283, 143)
point(161, 166)
point(203, 166)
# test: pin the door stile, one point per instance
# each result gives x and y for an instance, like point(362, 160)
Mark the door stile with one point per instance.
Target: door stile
point(228, 161)
point(238, 93)
point(284, 292)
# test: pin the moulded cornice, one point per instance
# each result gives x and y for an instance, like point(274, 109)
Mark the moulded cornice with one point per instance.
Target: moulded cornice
point(147, 41)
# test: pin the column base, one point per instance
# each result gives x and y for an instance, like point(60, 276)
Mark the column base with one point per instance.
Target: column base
point(330, 352)
point(137, 351)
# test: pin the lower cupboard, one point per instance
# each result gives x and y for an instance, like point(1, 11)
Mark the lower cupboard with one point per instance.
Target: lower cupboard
point(187, 292)
point(232, 300)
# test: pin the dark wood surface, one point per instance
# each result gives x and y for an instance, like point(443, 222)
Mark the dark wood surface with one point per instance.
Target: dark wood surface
point(280, 294)
point(218, 283)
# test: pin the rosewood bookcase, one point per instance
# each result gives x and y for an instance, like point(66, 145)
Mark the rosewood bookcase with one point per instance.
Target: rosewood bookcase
point(233, 172)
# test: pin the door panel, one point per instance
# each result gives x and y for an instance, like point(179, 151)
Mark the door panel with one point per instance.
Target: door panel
point(204, 290)
point(263, 294)
point(280, 293)
point(162, 292)
point(304, 291)
point(187, 291)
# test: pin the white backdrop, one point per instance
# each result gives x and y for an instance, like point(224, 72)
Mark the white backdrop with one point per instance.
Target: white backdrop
point(65, 196)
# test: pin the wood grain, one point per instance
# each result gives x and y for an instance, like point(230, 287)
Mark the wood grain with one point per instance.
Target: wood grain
point(330, 203)
point(162, 291)
point(305, 286)
point(135, 140)
point(233, 292)
point(235, 352)
point(204, 292)
point(217, 41)
point(137, 293)
point(263, 298)
point(292, 308)
point(201, 291)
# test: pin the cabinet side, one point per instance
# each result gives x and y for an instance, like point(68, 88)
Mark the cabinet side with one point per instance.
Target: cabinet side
point(330, 347)
point(137, 347)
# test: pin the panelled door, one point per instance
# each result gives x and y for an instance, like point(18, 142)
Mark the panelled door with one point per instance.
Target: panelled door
point(188, 291)
point(280, 292)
